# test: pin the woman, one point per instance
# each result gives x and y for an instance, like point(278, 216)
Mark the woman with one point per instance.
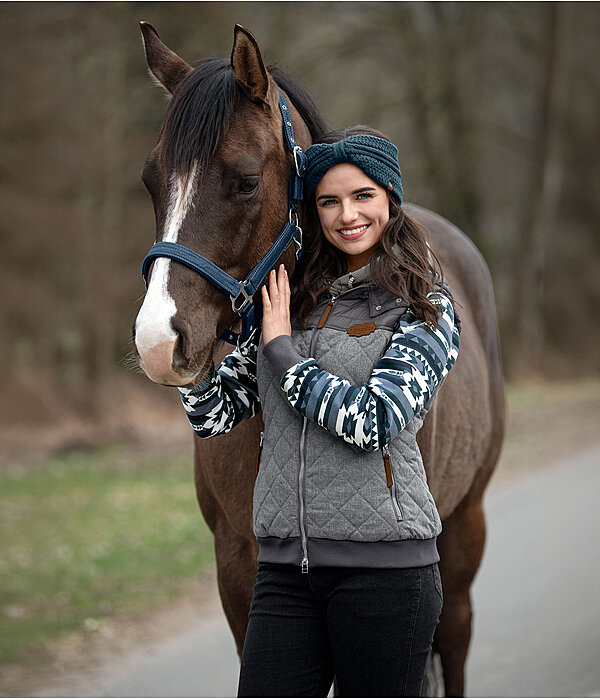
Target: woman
point(348, 582)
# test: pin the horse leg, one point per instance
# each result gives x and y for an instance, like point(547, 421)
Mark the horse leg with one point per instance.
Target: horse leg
point(460, 546)
point(236, 572)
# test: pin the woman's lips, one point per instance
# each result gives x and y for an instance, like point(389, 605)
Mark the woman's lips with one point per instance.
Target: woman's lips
point(349, 234)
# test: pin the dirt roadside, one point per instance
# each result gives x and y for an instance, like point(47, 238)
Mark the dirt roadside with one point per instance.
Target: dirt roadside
point(542, 428)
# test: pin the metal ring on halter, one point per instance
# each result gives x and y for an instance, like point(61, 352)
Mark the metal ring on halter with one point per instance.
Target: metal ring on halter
point(295, 152)
point(247, 299)
point(293, 217)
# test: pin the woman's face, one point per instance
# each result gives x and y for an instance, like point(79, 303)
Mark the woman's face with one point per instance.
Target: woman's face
point(353, 211)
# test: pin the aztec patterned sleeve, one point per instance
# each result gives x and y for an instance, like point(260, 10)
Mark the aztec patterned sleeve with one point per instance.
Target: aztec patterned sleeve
point(227, 396)
point(403, 382)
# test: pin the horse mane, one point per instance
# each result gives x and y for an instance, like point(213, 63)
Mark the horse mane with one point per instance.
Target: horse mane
point(200, 111)
point(301, 99)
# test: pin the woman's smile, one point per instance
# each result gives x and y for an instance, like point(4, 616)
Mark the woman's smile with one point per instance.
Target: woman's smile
point(353, 233)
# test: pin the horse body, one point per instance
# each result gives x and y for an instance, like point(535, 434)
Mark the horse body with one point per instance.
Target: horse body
point(462, 433)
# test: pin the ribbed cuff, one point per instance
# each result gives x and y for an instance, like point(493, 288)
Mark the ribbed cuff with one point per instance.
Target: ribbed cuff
point(281, 354)
point(202, 386)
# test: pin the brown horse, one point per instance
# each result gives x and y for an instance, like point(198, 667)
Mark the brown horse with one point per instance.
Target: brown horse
point(218, 178)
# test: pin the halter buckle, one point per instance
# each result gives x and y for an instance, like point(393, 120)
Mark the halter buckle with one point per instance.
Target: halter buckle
point(299, 166)
point(247, 299)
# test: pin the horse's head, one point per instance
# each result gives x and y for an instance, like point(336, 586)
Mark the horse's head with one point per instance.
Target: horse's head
point(218, 178)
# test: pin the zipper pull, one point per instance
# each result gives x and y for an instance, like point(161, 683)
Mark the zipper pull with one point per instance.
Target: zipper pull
point(326, 313)
point(258, 455)
point(305, 565)
point(388, 467)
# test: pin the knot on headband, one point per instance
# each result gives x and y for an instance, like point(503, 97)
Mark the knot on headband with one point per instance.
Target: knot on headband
point(376, 157)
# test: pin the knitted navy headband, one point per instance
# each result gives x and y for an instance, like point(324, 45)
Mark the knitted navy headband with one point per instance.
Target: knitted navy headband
point(375, 156)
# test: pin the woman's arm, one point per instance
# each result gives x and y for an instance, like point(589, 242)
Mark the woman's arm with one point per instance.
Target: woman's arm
point(226, 396)
point(402, 383)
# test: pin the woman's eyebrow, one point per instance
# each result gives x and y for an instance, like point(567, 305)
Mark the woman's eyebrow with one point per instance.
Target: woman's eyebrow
point(358, 191)
point(363, 189)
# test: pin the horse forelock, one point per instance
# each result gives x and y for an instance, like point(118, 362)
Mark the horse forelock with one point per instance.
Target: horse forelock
point(198, 117)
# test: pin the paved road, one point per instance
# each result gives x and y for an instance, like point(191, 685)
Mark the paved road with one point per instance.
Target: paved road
point(537, 594)
point(537, 602)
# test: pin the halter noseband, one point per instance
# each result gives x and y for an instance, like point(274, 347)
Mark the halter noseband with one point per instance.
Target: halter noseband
point(241, 293)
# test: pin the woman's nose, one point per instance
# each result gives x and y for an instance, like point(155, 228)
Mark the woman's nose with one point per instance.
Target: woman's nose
point(348, 214)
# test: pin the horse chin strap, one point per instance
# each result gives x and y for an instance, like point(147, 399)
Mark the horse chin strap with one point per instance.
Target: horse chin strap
point(242, 293)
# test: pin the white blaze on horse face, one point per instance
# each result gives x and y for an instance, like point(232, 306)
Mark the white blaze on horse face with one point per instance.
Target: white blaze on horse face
point(153, 323)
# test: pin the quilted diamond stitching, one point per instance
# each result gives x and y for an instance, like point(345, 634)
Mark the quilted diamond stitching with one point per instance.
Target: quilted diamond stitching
point(363, 510)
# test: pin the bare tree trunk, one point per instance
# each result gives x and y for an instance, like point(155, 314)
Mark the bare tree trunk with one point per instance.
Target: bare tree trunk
point(458, 114)
point(540, 205)
point(103, 209)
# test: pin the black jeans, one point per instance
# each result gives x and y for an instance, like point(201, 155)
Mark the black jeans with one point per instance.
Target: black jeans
point(371, 628)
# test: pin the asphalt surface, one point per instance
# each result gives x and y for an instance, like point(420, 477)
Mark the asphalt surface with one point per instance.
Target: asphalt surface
point(536, 600)
point(537, 593)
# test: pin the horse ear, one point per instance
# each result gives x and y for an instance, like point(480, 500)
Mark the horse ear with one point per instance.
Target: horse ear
point(164, 64)
point(248, 65)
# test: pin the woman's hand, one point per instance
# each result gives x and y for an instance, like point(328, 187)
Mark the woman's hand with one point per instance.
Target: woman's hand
point(276, 306)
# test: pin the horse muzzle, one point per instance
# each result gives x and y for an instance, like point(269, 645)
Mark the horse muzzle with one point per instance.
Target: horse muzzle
point(160, 366)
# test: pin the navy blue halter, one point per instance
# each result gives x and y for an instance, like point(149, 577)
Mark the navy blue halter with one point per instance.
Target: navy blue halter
point(241, 293)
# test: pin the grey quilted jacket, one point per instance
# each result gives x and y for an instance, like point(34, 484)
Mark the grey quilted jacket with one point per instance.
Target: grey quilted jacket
point(341, 481)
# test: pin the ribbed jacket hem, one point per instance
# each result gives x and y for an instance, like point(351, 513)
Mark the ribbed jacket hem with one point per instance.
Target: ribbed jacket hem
point(399, 554)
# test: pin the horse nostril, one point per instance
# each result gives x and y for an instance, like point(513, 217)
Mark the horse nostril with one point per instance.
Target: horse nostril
point(179, 359)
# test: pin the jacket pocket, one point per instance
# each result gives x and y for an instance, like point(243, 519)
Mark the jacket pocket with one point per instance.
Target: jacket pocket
point(392, 487)
point(260, 445)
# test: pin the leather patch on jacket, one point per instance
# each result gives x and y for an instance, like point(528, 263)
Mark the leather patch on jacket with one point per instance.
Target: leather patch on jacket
point(359, 329)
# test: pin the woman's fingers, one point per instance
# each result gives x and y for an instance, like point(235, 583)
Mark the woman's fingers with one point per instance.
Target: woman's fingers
point(273, 290)
point(276, 305)
point(281, 280)
point(265, 297)
point(276, 296)
point(286, 284)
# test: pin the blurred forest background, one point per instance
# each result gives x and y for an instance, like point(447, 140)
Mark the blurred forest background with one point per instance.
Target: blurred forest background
point(494, 108)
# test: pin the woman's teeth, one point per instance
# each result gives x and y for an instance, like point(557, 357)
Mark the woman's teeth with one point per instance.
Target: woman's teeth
point(353, 231)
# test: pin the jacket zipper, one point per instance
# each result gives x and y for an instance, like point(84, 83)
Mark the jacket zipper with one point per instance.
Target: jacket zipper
point(304, 562)
point(391, 485)
point(260, 444)
point(302, 473)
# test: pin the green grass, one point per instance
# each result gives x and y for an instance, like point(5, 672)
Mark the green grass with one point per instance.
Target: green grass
point(94, 535)
point(545, 394)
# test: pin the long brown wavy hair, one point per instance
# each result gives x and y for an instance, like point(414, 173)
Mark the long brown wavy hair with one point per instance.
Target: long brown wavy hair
point(409, 276)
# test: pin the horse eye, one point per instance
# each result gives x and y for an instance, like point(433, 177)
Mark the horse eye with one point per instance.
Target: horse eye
point(248, 185)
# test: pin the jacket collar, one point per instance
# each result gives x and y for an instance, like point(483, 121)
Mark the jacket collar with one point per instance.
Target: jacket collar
point(357, 278)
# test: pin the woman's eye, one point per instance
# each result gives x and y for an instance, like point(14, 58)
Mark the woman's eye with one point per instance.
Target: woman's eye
point(328, 202)
point(248, 185)
point(364, 195)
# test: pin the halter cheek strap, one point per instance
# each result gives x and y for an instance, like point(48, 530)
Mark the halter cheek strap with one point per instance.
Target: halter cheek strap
point(241, 293)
